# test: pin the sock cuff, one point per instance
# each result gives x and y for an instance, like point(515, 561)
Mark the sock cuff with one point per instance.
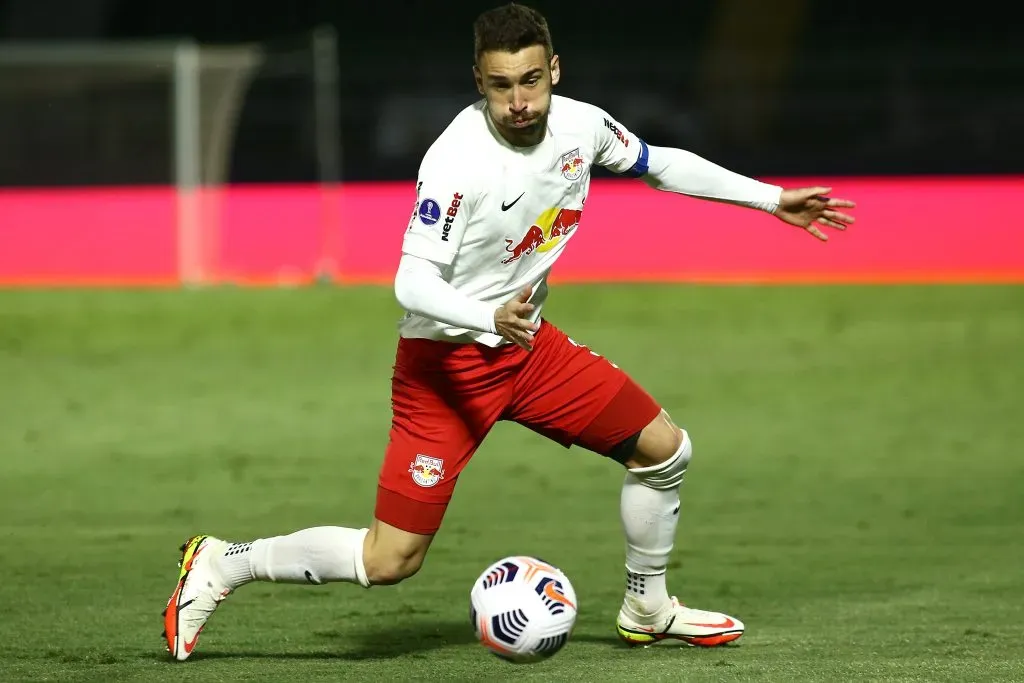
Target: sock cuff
point(645, 572)
point(358, 554)
point(668, 474)
point(235, 563)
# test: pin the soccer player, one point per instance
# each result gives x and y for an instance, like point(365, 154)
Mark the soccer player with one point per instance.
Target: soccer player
point(500, 195)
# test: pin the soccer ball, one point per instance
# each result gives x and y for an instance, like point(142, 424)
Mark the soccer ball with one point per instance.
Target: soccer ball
point(523, 609)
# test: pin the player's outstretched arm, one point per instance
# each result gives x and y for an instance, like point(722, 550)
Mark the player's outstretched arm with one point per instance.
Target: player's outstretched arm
point(677, 170)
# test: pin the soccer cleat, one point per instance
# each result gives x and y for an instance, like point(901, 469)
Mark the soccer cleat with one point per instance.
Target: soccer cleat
point(678, 622)
point(200, 589)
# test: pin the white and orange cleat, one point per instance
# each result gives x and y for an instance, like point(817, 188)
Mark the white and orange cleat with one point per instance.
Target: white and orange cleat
point(679, 622)
point(200, 589)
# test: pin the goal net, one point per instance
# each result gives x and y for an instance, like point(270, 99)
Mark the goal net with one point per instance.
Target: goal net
point(164, 113)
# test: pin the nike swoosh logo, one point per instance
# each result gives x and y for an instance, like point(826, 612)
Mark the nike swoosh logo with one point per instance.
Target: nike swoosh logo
point(191, 645)
point(506, 207)
point(728, 623)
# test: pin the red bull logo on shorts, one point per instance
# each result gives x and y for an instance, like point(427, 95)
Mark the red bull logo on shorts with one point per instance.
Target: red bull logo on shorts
point(550, 228)
point(571, 164)
point(427, 471)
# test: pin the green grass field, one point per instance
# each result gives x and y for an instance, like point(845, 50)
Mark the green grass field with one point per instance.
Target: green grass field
point(856, 494)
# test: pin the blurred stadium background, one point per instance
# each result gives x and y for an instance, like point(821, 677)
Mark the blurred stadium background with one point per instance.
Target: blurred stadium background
point(149, 126)
point(856, 495)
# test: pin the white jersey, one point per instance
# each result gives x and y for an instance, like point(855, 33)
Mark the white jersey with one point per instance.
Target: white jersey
point(497, 217)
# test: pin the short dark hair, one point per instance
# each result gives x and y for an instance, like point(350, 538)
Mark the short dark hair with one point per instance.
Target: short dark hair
point(510, 28)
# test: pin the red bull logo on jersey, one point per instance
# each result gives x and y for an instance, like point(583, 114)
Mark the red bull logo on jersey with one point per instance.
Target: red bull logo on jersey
point(549, 229)
point(427, 471)
point(571, 164)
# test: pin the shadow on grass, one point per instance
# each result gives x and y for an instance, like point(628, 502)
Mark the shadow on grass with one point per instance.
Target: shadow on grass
point(413, 639)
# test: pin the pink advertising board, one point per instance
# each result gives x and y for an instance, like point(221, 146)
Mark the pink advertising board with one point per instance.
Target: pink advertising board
point(907, 230)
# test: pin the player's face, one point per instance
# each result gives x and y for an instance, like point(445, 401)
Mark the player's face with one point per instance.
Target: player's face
point(518, 86)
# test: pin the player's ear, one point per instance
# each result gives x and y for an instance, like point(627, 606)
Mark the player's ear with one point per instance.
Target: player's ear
point(556, 70)
point(479, 79)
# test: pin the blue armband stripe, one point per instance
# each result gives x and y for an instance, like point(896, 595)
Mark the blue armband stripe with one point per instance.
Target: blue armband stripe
point(641, 166)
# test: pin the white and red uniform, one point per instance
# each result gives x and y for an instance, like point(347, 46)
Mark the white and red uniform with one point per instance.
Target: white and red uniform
point(491, 219)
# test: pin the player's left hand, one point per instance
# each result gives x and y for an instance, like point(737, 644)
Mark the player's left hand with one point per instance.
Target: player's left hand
point(809, 207)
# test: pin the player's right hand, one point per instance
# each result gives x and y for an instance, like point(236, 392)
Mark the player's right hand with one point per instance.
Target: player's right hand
point(510, 323)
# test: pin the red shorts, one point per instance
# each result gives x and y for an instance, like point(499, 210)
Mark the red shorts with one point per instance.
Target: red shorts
point(446, 397)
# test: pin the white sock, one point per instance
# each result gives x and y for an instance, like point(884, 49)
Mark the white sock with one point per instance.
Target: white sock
point(312, 556)
point(649, 518)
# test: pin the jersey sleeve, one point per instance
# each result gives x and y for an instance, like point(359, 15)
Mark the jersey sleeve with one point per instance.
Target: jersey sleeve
point(616, 148)
point(444, 201)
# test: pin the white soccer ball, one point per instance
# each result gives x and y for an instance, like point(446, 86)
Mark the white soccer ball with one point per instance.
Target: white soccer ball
point(523, 609)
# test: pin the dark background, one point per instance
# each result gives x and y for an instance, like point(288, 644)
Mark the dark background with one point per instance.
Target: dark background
point(766, 88)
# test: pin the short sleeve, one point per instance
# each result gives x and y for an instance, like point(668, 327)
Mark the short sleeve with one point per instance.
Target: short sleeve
point(441, 213)
point(618, 149)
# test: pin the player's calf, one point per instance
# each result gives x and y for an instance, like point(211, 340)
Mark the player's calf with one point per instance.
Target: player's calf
point(391, 555)
point(649, 507)
point(650, 513)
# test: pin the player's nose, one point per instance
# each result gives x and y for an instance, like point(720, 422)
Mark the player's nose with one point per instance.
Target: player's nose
point(518, 104)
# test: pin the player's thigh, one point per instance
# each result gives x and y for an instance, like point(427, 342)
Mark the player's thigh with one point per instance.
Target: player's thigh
point(428, 447)
point(435, 430)
point(575, 396)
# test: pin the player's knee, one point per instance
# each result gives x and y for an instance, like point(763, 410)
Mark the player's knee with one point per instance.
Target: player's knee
point(662, 454)
point(657, 442)
point(391, 555)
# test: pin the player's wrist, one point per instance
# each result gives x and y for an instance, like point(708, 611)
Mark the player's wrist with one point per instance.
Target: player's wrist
point(773, 199)
point(494, 319)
